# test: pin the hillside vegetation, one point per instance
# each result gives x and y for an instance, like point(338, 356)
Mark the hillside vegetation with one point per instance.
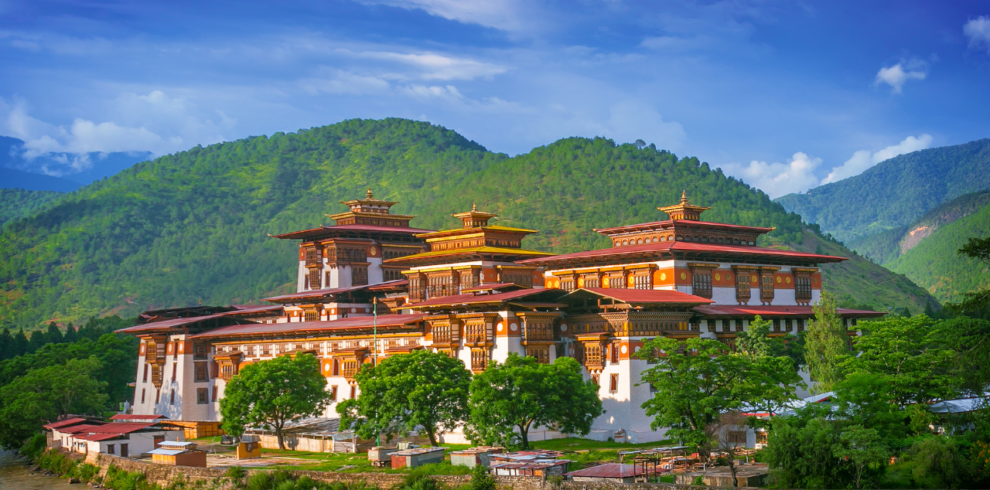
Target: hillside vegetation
point(18, 203)
point(936, 264)
point(192, 226)
point(896, 192)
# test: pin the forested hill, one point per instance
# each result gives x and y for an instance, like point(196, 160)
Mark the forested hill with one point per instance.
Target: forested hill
point(193, 226)
point(18, 203)
point(896, 192)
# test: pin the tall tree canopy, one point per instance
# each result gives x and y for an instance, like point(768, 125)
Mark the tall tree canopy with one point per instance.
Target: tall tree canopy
point(271, 393)
point(419, 389)
point(509, 399)
point(825, 345)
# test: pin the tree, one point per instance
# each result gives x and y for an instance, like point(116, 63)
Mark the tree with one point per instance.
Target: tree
point(977, 248)
point(755, 341)
point(37, 340)
point(908, 354)
point(696, 382)
point(721, 435)
point(48, 394)
point(271, 393)
point(6, 344)
point(800, 450)
point(419, 389)
point(508, 399)
point(862, 449)
point(70, 334)
point(939, 463)
point(825, 345)
point(53, 335)
point(774, 377)
point(20, 344)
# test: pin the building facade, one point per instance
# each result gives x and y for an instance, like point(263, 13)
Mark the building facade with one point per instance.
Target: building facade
point(370, 287)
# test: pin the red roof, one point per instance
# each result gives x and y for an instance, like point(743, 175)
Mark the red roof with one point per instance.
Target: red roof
point(120, 427)
point(683, 222)
point(181, 322)
point(493, 286)
point(389, 285)
point(646, 296)
point(324, 230)
point(65, 423)
point(469, 299)
point(776, 311)
point(316, 293)
point(365, 321)
point(130, 416)
point(76, 429)
point(661, 247)
point(610, 470)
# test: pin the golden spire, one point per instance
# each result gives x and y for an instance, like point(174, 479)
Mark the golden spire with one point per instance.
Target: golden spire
point(369, 194)
point(684, 210)
point(474, 205)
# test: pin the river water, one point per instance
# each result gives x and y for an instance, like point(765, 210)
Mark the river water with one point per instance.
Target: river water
point(15, 476)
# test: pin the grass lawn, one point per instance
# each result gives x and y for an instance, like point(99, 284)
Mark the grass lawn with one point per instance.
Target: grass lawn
point(585, 452)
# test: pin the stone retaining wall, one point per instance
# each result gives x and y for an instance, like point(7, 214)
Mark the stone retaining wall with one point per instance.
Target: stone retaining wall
point(164, 475)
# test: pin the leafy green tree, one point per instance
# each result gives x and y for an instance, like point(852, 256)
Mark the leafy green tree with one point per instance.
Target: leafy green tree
point(6, 344)
point(47, 394)
point(909, 355)
point(800, 450)
point(825, 347)
point(37, 340)
point(271, 393)
point(774, 377)
point(419, 389)
point(864, 451)
point(939, 463)
point(975, 304)
point(20, 344)
point(481, 479)
point(508, 399)
point(755, 341)
point(696, 382)
point(70, 334)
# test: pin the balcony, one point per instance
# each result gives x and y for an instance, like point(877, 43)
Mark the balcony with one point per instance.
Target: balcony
point(537, 333)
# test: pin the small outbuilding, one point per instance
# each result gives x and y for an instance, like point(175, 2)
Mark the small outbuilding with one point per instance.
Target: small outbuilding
point(414, 458)
point(748, 475)
point(173, 453)
point(475, 456)
point(609, 473)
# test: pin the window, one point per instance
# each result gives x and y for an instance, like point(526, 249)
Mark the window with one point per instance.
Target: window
point(158, 396)
point(802, 288)
point(567, 283)
point(742, 286)
point(175, 369)
point(336, 368)
point(201, 372)
point(172, 401)
point(591, 281)
point(142, 395)
point(596, 378)
point(175, 350)
point(314, 279)
point(110, 448)
point(202, 396)
point(333, 393)
point(542, 355)
point(359, 276)
point(214, 394)
point(613, 383)
point(327, 279)
point(200, 351)
point(614, 353)
point(642, 281)
point(702, 283)
point(306, 285)
point(766, 288)
point(353, 392)
point(312, 315)
point(145, 379)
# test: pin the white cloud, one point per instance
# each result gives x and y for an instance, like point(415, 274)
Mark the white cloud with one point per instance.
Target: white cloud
point(345, 83)
point(506, 15)
point(153, 122)
point(777, 179)
point(432, 66)
point(448, 92)
point(799, 174)
point(978, 32)
point(632, 120)
point(896, 76)
point(863, 159)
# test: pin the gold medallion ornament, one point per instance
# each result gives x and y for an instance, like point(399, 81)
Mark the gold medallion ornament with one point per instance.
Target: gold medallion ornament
point(373, 251)
point(718, 277)
point(632, 281)
point(605, 282)
point(580, 282)
point(683, 276)
point(778, 279)
point(788, 280)
point(663, 276)
point(752, 278)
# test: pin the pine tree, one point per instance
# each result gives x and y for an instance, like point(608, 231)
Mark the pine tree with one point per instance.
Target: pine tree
point(53, 335)
point(20, 344)
point(825, 345)
point(6, 343)
point(70, 335)
point(37, 340)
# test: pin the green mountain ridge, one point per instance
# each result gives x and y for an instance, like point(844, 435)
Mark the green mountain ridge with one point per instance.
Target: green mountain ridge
point(18, 203)
point(191, 227)
point(891, 244)
point(896, 192)
point(935, 263)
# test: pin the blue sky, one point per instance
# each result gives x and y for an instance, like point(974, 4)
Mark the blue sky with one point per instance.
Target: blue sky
point(786, 95)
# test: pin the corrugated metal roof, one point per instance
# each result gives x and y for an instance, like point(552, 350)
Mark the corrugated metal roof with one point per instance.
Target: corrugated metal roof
point(365, 321)
point(643, 296)
point(65, 423)
point(611, 470)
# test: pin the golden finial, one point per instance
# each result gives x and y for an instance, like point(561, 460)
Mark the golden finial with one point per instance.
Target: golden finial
point(474, 206)
point(684, 198)
point(369, 193)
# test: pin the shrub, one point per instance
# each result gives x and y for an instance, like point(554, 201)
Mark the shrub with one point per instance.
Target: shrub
point(34, 446)
point(481, 479)
point(236, 472)
point(419, 479)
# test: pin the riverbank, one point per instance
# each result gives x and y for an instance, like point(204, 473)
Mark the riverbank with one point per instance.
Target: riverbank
point(15, 473)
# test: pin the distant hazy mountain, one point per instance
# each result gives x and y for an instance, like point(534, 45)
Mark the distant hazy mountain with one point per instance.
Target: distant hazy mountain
point(896, 192)
point(73, 169)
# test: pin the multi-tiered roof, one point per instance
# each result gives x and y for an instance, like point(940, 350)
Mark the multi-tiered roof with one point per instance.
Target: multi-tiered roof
point(365, 218)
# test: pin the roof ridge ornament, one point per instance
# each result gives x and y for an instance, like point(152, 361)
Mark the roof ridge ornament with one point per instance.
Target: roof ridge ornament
point(684, 210)
point(369, 194)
